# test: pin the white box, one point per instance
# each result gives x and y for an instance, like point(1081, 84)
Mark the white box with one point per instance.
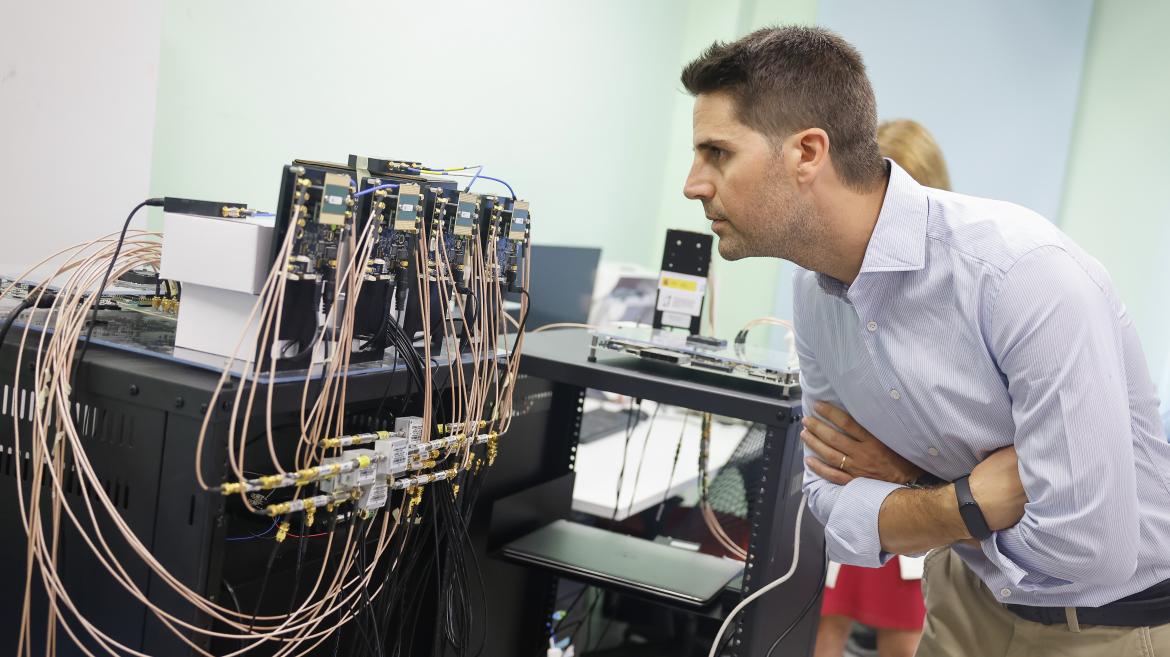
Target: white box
point(229, 254)
point(211, 320)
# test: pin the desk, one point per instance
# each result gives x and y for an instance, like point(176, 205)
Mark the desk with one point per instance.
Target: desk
point(560, 358)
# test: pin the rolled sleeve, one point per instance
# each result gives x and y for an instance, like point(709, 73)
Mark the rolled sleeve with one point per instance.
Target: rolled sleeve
point(1026, 578)
point(851, 533)
point(1062, 354)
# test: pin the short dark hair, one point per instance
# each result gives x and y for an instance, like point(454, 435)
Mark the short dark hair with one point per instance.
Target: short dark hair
point(786, 79)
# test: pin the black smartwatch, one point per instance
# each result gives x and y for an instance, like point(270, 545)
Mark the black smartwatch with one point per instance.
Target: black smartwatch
point(969, 510)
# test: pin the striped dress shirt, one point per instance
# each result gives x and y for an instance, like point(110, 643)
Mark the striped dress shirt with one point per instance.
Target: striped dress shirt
point(973, 325)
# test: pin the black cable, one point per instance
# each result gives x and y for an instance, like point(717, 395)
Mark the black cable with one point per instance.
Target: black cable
point(302, 547)
point(356, 605)
point(363, 563)
point(153, 202)
point(264, 582)
point(569, 610)
point(586, 620)
point(236, 601)
point(807, 607)
point(673, 467)
point(25, 304)
point(631, 424)
point(642, 459)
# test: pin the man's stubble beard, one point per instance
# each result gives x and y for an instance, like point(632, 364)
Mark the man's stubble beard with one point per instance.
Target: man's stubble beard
point(785, 227)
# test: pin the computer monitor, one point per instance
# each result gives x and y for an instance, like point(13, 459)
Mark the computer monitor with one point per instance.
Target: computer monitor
point(561, 285)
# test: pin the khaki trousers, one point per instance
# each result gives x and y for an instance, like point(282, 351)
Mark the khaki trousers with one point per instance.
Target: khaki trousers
point(963, 619)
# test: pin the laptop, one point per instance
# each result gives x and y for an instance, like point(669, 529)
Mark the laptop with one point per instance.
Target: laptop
point(617, 561)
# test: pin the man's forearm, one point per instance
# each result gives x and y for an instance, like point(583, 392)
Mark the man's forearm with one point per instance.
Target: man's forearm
point(916, 520)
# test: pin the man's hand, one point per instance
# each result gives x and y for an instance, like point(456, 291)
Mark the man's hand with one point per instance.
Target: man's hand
point(850, 443)
point(996, 486)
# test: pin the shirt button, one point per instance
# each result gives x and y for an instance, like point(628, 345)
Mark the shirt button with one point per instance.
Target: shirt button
point(872, 326)
point(895, 395)
point(933, 451)
point(1007, 593)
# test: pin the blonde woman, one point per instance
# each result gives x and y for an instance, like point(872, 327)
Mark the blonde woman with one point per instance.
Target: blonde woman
point(883, 598)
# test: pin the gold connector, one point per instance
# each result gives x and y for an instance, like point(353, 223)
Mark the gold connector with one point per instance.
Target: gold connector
point(416, 494)
point(231, 488)
point(331, 442)
point(271, 481)
point(282, 532)
point(363, 461)
point(493, 447)
point(278, 509)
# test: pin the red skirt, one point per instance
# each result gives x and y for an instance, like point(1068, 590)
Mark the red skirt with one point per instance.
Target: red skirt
point(877, 597)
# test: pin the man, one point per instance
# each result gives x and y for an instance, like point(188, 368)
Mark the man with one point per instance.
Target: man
point(947, 328)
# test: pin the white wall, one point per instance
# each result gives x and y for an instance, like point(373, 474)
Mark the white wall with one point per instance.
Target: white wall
point(77, 92)
point(564, 100)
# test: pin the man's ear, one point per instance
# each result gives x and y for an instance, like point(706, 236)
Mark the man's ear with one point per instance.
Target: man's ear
point(810, 154)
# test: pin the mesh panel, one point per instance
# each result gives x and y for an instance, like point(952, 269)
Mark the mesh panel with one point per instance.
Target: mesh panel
point(728, 493)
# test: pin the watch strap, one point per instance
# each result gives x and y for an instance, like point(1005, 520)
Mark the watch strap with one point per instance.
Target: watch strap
point(969, 510)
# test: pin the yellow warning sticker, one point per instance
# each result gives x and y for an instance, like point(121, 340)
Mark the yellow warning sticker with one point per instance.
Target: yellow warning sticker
point(679, 284)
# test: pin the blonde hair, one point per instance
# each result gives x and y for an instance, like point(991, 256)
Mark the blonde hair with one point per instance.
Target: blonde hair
point(915, 150)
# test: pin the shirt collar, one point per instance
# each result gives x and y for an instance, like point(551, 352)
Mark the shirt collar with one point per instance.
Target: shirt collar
point(898, 242)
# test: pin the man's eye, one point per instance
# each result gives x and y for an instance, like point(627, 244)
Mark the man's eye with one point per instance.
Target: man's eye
point(717, 153)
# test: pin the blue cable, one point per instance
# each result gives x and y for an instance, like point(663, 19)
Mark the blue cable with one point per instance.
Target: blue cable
point(478, 176)
point(252, 536)
point(478, 170)
point(510, 191)
point(374, 189)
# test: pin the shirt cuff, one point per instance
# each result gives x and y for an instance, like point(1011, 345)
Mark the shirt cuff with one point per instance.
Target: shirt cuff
point(1003, 549)
point(852, 531)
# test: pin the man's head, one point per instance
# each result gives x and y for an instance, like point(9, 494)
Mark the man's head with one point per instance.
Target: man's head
point(784, 126)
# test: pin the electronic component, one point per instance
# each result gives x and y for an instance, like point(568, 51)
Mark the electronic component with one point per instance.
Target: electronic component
point(682, 284)
point(370, 269)
point(706, 341)
point(742, 361)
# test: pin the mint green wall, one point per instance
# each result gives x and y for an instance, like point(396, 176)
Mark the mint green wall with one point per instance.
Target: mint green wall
point(565, 100)
point(577, 104)
point(1116, 200)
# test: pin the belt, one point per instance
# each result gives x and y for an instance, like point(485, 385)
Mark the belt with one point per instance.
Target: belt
point(1147, 608)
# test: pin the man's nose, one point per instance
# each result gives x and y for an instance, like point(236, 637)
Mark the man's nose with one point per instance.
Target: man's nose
point(698, 188)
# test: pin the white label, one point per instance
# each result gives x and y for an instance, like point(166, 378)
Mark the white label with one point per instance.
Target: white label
point(365, 476)
point(831, 575)
point(406, 207)
point(374, 498)
point(411, 427)
point(399, 455)
point(333, 200)
point(681, 293)
point(676, 319)
point(911, 567)
point(465, 215)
